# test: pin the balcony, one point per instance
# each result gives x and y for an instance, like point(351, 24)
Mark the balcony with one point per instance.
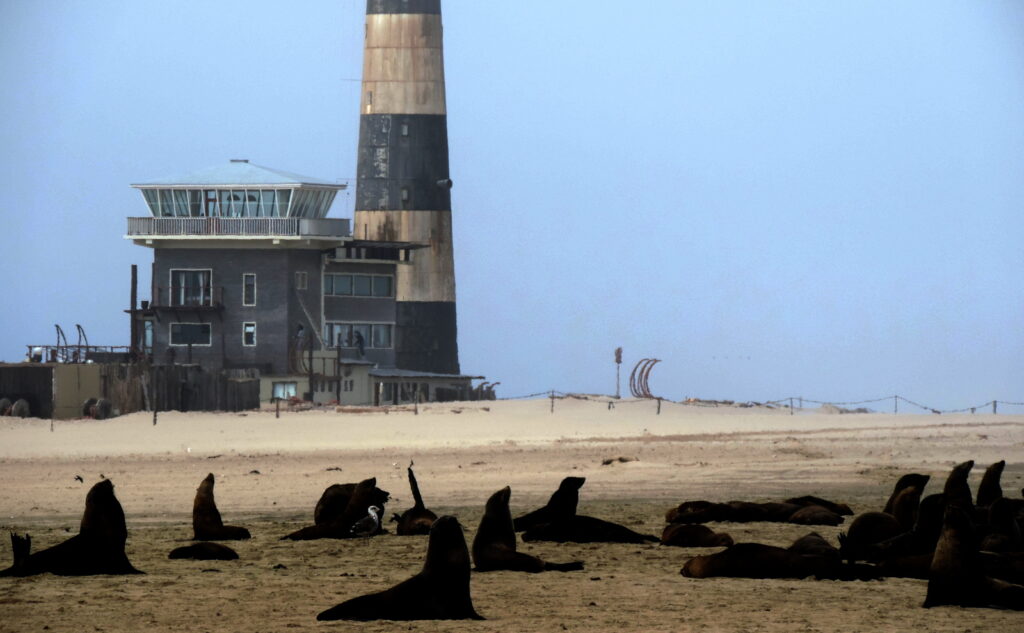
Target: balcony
point(235, 228)
point(198, 298)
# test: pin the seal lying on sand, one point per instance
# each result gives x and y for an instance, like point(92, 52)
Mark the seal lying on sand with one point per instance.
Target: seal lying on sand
point(338, 509)
point(957, 577)
point(98, 548)
point(558, 521)
point(494, 546)
point(692, 535)
point(417, 519)
point(204, 551)
point(808, 556)
point(206, 522)
point(439, 592)
point(806, 510)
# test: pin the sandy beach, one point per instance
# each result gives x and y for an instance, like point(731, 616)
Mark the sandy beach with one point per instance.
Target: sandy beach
point(271, 471)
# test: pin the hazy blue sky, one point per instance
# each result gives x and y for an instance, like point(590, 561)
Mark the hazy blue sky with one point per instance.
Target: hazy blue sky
point(776, 198)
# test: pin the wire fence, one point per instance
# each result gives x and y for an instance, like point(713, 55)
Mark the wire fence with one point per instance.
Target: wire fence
point(794, 403)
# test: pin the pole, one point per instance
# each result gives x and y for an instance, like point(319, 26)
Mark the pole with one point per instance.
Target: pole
point(659, 406)
point(134, 325)
point(152, 392)
point(791, 406)
point(895, 404)
point(310, 362)
point(277, 408)
point(552, 401)
point(617, 380)
point(994, 403)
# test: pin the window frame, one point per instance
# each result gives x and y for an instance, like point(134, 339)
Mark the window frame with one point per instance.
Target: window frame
point(254, 339)
point(254, 290)
point(367, 341)
point(208, 300)
point(170, 334)
point(352, 285)
point(301, 280)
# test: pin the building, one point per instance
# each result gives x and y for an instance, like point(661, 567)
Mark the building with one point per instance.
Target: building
point(250, 273)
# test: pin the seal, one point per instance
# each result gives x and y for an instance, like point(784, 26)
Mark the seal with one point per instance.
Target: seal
point(809, 555)
point(866, 530)
point(439, 592)
point(98, 548)
point(905, 507)
point(808, 500)
point(562, 505)
point(339, 508)
point(956, 490)
point(906, 481)
point(815, 515)
point(989, 489)
point(693, 535)
point(417, 519)
point(204, 551)
point(957, 575)
point(207, 524)
point(584, 529)
point(494, 546)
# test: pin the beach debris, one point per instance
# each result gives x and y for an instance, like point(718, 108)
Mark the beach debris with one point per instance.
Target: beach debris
point(619, 460)
point(336, 469)
point(213, 456)
point(255, 472)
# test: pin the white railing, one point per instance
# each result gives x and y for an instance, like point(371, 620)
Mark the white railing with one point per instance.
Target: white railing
point(254, 227)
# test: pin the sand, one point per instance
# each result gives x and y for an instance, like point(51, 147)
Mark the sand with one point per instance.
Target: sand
point(270, 472)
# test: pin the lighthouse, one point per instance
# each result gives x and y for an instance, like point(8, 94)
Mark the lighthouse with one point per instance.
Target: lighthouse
point(403, 186)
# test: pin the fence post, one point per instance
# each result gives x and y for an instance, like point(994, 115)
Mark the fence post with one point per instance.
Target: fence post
point(277, 408)
point(895, 404)
point(994, 403)
point(552, 401)
point(791, 406)
point(659, 406)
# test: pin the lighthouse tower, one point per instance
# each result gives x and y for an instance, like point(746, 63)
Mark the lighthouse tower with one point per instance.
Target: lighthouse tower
point(402, 180)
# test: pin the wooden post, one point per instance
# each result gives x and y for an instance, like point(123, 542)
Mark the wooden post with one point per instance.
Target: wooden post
point(552, 401)
point(791, 406)
point(994, 403)
point(277, 408)
point(895, 404)
point(659, 406)
point(152, 392)
point(133, 345)
point(310, 358)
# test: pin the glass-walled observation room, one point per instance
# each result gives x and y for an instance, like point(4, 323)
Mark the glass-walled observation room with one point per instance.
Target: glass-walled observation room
point(300, 202)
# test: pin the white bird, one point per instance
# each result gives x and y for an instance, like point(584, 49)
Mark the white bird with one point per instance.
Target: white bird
point(369, 524)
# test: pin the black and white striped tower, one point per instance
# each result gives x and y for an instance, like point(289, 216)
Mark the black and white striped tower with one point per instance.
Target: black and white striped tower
point(402, 179)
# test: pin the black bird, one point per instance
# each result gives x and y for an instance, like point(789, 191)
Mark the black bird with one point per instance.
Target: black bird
point(369, 524)
point(78, 478)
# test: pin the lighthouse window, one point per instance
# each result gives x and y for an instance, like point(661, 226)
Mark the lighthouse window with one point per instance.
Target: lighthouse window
point(249, 289)
point(249, 334)
point(338, 285)
point(405, 129)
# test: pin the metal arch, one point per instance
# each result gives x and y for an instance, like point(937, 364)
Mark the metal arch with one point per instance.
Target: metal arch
point(639, 377)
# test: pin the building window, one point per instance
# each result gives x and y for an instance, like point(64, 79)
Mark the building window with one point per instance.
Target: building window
point(379, 286)
point(249, 334)
point(191, 287)
point(285, 390)
point(249, 289)
point(405, 129)
point(349, 335)
point(301, 280)
point(349, 385)
point(190, 334)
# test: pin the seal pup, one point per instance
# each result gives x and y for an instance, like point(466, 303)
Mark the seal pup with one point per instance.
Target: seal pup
point(204, 551)
point(335, 520)
point(989, 489)
point(562, 505)
point(693, 535)
point(207, 524)
point(417, 519)
point(98, 548)
point(439, 592)
point(494, 546)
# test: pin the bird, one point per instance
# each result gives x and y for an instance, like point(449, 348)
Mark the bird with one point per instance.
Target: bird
point(369, 524)
point(79, 479)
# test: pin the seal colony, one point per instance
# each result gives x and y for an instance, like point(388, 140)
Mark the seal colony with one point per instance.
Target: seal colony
point(970, 551)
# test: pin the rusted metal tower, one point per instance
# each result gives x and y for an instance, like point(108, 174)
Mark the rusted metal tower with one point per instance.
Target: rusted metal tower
point(402, 181)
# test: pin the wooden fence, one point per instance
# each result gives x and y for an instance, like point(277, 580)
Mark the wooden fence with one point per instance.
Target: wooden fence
point(180, 388)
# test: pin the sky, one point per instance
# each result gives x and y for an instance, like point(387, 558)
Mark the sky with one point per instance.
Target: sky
point(788, 198)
